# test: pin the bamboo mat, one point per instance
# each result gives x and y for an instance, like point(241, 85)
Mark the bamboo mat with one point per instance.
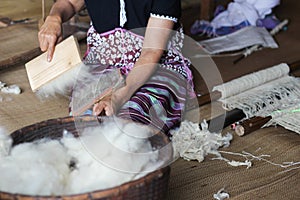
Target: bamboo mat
point(19, 9)
point(17, 111)
point(20, 38)
point(193, 180)
point(17, 40)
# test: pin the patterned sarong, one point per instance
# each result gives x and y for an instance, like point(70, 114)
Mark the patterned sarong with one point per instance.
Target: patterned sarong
point(160, 102)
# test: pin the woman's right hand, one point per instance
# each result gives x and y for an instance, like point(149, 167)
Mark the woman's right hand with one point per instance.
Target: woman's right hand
point(50, 34)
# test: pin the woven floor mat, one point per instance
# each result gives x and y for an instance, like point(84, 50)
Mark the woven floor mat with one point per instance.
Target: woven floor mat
point(17, 39)
point(194, 180)
point(26, 108)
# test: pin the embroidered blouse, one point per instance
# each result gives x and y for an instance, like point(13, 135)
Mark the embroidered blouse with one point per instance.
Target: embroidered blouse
point(130, 14)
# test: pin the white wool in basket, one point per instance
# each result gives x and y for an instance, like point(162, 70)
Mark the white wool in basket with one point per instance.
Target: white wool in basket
point(105, 156)
point(110, 155)
point(35, 168)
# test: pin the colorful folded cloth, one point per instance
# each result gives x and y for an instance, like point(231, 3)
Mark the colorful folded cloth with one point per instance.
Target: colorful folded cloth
point(239, 14)
point(203, 27)
point(269, 22)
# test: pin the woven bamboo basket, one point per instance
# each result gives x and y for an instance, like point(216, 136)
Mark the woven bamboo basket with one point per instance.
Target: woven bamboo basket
point(152, 186)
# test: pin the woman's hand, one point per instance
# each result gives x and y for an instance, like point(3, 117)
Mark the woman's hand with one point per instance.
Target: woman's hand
point(50, 34)
point(111, 104)
point(51, 31)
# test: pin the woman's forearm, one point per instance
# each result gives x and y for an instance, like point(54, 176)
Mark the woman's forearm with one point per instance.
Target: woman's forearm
point(155, 42)
point(63, 10)
point(143, 70)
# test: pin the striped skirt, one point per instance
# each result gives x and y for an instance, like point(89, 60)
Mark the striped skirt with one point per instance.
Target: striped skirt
point(160, 102)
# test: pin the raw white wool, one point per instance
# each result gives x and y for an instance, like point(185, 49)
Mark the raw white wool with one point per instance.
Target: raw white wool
point(104, 156)
point(220, 195)
point(111, 154)
point(35, 168)
point(5, 142)
point(11, 89)
point(249, 158)
point(235, 163)
point(64, 83)
point(191, 143)
point(2, 85)
point(89, 174)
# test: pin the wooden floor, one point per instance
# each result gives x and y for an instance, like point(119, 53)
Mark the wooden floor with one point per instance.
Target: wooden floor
point(189, 180)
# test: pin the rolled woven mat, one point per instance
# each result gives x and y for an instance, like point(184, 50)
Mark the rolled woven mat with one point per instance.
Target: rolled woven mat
point(252, 80)
point(152, 186)
point(248, 81)
point(258, 94)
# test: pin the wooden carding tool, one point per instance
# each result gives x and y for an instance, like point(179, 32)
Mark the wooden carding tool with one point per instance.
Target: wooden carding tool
point(66, 56)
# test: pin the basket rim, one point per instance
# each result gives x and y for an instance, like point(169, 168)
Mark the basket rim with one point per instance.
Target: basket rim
point(159, 172)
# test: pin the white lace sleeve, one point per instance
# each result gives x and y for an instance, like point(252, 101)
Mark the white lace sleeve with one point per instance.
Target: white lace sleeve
point(174, 19)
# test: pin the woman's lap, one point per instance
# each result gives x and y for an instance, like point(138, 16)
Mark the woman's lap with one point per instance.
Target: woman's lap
point(160, 102)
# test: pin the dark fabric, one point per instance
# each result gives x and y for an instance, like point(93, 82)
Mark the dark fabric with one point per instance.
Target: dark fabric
point(105, 15)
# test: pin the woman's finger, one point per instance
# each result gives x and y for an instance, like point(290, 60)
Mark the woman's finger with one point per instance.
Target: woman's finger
point(52, 39)
point(98, 108)
point(50, 52)
point(108, 110)
point(43, 44)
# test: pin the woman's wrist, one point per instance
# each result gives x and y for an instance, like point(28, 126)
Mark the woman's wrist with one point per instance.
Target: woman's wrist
point(54, 18)
point(123, 94)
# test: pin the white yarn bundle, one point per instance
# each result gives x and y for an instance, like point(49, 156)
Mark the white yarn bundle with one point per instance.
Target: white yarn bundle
point(106, 156)
point(191, 143)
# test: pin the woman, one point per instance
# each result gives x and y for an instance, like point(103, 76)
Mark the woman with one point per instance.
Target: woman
point(158, 80)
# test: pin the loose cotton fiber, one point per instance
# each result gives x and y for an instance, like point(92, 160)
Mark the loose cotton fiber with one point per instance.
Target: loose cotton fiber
point(104, 156)
point(112, 154)
point(35, 168)
point(192, 143)
point(64, 83)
